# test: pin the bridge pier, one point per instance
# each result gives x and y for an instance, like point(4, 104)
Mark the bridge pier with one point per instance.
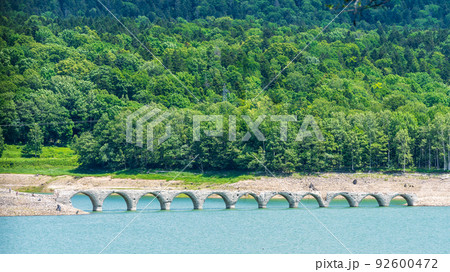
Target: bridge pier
point(292, 198)
point(165, 206)
point(198, 198)
point(231, 198)
point(164, 198)
point(133, 197)
point(264, 198)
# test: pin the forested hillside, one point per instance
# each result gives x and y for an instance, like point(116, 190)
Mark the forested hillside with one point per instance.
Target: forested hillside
point(70, 74)
point(417, 13)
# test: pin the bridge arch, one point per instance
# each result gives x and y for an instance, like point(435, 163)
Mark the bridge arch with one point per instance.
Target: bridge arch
point(350, 200)
point(124, 195)
point(191, 195)
point(92, 197)
point(379, 199)
point(286, 196)
point(222, 195)
point(317, 197)
point(255, 197)
point(156, 195)
point(408, 198)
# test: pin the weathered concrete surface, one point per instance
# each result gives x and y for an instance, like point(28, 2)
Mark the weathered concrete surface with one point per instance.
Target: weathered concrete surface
point(230, 198)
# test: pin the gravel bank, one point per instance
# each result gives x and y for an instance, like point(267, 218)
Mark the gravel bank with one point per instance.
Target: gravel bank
point(17, 204)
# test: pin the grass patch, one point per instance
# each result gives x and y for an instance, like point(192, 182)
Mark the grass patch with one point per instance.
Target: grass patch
point(31, 189)
point(51, 157)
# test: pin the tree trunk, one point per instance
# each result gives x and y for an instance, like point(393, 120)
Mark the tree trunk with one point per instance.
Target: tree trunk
point(421, 157)
point(429, 156)
point(353, 169)
point(404, 162)
point(389, 156)
point(437, 159)
point(448, 152)
point(443, 153)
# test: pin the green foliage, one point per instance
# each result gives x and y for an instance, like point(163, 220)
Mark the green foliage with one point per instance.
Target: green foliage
point(402, 140)
point(423, 13)
point(34, 142)
point(2, 142)
point(80, 75)
point(51, 159)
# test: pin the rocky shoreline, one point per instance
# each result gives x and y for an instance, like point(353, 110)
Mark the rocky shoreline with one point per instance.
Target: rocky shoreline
point(15, 203)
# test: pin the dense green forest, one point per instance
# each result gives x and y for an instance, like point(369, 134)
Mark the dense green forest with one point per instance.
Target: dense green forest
point(379, 90)
point(417, 13)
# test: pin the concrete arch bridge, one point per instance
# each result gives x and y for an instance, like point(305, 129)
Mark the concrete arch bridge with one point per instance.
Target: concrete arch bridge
point(230, 198)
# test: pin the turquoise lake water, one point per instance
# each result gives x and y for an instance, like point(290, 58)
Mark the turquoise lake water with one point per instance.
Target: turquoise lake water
point(246, 229)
